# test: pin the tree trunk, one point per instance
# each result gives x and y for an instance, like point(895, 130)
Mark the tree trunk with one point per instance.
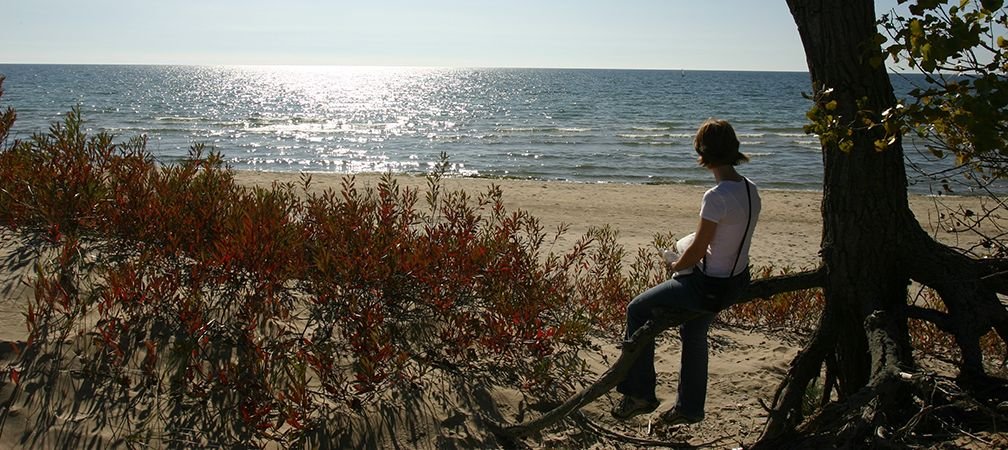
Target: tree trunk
point(865, 209)
point(872, 247)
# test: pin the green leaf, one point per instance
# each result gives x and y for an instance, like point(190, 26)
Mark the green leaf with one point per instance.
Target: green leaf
point(846, 145)
point(962, 159)
point(880, 145)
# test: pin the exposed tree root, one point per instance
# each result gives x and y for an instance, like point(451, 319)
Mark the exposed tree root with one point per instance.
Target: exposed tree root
point(972, 304)
point(601, 430)
point(786, 412)
point(897, 409)
point(900, 411)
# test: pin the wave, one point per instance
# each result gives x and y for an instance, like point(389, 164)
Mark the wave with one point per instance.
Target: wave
point(660, 135)
point(782, 129)
point(595, 166)
point(655, 143)
point(166, 129)
point(566, 137)
point(665, 181)
point(553, 142)
point(520, 130)
point(228, 123)
point(178, 119)
point(563, 130)
point(261, 121)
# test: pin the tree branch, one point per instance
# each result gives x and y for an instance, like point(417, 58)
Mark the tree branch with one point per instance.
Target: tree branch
point(967, 287)
point(768, 287)
point(940, 319)
point(615, 374)
point(665, 318)
point(995, 274)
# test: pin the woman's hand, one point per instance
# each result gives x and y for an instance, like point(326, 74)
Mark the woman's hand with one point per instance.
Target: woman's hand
point(698, 248)
point(670, 256)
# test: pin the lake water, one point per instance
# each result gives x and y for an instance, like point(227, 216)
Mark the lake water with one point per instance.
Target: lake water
point(625, 126)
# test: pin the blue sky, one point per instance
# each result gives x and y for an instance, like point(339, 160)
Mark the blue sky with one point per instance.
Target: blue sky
point(669, 34)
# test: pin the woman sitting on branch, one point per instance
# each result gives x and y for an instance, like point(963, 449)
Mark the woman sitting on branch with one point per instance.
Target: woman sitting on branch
point(710, 274)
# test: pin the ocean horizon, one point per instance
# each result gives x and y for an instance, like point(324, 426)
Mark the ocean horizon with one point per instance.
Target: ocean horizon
point(576, 125)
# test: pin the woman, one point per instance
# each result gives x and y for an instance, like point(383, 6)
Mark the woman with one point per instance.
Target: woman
point(719, 255)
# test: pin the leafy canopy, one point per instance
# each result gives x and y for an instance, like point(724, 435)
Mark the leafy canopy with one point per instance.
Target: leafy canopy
point(959, 47)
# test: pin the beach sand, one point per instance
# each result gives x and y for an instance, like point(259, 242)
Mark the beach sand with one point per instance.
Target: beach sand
point(745, 365)
point(787, 235)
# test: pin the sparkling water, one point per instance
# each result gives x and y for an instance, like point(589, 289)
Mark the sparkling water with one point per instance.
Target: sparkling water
point(626, 126)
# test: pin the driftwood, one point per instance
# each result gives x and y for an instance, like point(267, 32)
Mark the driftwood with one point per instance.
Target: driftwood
point(665, 318)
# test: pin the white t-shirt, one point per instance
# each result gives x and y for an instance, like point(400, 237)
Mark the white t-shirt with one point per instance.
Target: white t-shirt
point(726, 205)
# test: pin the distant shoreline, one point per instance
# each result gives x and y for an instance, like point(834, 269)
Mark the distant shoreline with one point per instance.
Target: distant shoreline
point(178, 64)
point(491, 178)
point(170, 64)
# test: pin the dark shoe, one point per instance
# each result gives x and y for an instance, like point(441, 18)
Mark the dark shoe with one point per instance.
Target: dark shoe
point(632, 406)
point(674, 417)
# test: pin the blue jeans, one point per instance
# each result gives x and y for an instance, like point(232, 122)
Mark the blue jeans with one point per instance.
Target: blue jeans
point(686, 293)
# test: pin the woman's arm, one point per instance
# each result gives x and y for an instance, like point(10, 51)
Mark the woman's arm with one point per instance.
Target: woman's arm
point(696, 250)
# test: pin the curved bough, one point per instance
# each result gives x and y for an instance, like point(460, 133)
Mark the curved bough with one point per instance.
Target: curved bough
point(664, 319)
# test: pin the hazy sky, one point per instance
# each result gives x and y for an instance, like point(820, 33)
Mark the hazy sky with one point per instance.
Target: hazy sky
point(672, 34)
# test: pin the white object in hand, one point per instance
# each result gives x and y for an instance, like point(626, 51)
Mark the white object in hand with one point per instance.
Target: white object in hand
point(672, 255)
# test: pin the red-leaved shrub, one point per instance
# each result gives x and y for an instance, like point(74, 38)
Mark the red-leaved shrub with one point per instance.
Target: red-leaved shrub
point(260, 315)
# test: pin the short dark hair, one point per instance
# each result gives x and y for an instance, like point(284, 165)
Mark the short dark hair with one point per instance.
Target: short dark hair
point(717, 145)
